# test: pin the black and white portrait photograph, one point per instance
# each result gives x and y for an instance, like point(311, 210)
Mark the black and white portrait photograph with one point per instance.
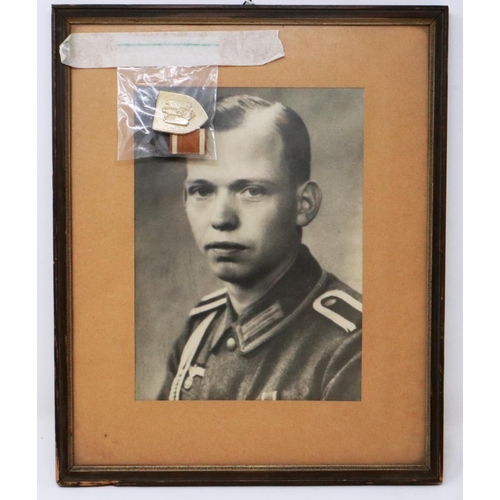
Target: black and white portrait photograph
point(248, 267)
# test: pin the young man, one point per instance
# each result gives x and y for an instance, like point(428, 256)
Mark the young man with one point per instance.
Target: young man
point(282, 328)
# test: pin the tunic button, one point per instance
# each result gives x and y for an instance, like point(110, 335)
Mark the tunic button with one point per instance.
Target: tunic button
point(188, 383)
point(231, 344)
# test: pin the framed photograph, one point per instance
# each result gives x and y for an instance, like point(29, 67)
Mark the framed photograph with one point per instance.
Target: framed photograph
point(268, 307)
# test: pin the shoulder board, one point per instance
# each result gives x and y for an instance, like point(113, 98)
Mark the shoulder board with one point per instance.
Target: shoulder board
point(341, 308)
point(210, 301)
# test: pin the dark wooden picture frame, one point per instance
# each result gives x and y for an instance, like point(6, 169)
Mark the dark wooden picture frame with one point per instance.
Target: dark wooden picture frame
point(435, 19)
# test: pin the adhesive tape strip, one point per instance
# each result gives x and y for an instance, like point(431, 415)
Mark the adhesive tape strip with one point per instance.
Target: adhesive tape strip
point(203, 48)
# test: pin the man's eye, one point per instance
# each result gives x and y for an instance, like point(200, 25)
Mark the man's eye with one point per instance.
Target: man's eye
point(253, 192)
point(200, 192)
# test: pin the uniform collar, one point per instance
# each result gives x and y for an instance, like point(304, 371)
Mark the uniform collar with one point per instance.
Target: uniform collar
point(280, 305)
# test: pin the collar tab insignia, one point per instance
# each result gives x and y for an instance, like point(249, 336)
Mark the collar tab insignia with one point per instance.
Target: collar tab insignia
point(210, 302)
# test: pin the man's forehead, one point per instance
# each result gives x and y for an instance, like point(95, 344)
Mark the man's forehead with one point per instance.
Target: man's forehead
point(244, 151)
point(224, 174)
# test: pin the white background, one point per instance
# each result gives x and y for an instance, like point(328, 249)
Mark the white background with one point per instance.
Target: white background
point(20, 189)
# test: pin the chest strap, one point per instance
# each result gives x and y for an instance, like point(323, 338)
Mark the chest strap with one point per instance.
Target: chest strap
point(187, 356)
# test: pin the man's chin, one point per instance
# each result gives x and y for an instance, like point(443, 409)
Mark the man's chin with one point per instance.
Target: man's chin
point(231, 272)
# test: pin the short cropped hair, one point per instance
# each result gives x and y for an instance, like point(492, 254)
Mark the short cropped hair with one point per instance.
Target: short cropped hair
point(296, 156)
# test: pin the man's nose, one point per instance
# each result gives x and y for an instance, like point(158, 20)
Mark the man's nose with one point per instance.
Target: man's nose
point(225, 213)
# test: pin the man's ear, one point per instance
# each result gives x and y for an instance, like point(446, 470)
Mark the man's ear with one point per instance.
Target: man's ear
point(308, 202)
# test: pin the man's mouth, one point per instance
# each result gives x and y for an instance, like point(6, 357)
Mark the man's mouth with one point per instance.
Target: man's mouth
point(225, 248)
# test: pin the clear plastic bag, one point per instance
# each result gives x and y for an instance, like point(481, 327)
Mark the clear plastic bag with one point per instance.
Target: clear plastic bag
point(138, 90)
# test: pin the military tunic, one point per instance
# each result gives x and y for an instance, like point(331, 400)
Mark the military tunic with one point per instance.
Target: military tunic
point(300, 341)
